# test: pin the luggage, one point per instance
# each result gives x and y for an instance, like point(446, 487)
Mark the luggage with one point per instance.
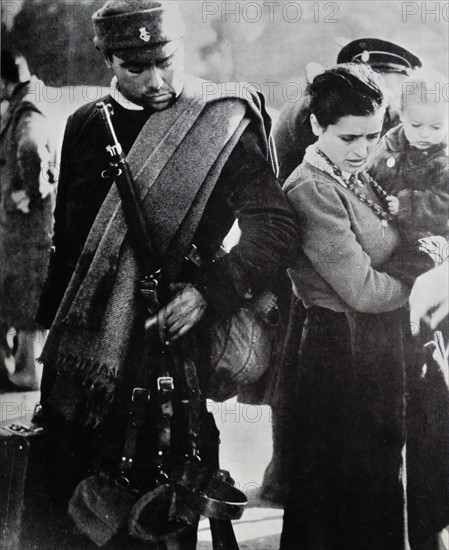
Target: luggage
point(24, 501)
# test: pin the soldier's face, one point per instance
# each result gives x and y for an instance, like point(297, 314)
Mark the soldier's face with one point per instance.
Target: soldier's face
point(152, 78)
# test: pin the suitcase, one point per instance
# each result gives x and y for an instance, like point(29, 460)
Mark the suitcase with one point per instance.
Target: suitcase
point(23, 497)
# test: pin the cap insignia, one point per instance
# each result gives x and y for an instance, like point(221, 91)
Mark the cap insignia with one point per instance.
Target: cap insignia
point(144, 34)
point(365, 56)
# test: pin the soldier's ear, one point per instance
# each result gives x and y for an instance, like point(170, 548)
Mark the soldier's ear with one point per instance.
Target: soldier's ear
point(107, 58)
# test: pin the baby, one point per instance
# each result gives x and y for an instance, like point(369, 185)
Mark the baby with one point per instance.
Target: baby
point(411, 161)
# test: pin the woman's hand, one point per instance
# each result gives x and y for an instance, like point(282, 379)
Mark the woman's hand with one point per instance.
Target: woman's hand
point(393, 205)
point(182, 313)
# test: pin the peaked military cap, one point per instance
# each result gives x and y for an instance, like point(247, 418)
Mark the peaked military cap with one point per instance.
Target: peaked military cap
point(122, 25)
point(379, 54)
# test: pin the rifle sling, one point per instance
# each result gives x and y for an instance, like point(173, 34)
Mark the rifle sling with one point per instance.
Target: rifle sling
point(148, 256)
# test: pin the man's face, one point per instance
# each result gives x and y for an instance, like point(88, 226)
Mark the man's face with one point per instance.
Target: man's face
point(393, 84)
point(152, 78)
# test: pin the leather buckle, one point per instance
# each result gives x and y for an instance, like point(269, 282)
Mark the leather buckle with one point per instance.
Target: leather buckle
point(194, 256)
point(139, 393)
point(149, 291)
point(165, 384)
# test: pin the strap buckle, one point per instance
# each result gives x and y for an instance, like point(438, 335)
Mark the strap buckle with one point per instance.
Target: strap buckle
point(140, 393)
point(194, 256)
point(149, 291)
point(166, 387)
point(165, 384)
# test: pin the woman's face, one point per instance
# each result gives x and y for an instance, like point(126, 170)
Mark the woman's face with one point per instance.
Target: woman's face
point(350, 140)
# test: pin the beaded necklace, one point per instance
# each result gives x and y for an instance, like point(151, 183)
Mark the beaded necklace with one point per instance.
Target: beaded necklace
point(380, 213)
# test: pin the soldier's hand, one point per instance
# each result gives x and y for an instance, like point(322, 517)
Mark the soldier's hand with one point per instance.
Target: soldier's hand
point(183, 312)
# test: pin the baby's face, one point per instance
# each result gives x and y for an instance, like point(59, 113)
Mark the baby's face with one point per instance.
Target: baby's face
point(425, 124)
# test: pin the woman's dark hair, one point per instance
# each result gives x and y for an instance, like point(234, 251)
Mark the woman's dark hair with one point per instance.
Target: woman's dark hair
point(346, 89)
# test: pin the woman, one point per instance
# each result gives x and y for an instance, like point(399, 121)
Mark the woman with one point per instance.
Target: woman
point(359, 481)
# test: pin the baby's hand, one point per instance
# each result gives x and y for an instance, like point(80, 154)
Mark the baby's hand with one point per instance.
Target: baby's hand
point(393, 205)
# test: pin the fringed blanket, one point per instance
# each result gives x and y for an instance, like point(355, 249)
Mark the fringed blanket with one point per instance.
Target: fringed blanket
point(175, 161)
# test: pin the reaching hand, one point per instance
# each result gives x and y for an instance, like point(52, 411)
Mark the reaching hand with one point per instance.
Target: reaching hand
point(435, 246)
point(182, 313)
point(429, 299)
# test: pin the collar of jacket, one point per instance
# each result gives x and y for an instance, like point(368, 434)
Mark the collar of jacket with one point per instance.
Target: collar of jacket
point(316, 160)
point(117, 95)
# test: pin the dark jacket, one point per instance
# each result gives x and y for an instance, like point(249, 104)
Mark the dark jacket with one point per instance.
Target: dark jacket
point(292, 135)
point(420, 180)
point(27, 192)
point(246, 189)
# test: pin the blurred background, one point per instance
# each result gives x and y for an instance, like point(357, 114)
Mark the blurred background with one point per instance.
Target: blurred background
point(267, 43)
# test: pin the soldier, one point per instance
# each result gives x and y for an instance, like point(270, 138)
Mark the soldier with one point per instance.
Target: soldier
point(176, 136)
point(293, 133)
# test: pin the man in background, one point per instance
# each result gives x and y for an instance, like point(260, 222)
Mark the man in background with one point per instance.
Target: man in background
point(293, 133)
point(26, 201)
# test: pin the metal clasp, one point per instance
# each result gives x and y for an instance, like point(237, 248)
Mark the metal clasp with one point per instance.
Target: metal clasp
point(140, 392)
point(165, 384)
point(194, 256)
point(148, 290)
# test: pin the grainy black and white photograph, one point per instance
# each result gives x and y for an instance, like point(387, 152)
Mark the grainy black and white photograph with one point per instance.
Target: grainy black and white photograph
point(224, 275)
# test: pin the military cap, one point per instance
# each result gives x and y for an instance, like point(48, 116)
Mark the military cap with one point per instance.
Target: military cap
point(122, 25)
point(381, 55)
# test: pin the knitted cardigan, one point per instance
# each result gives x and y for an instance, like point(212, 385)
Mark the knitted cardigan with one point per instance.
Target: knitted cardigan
point(343, 243)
